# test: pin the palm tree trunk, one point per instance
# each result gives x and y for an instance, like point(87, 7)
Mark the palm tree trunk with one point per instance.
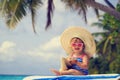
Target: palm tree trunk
point(118, 2)
point(104, 8)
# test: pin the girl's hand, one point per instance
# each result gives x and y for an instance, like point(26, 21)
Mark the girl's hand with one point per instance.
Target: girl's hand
point(73, 61)
point(69, 58)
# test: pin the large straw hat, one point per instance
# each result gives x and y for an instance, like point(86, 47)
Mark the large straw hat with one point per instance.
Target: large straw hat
point(83, 34)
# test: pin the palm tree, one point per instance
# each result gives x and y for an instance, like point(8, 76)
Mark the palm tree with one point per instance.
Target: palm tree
point(118, 1)
point(108, 47)
point(111, 28)
point(15, 10)
point(110, 35)
point(82, 5)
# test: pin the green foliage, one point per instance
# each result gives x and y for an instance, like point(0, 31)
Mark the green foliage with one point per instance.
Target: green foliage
point(98, 65)
point(15, 10)
point(108, 48)
point(115, 65)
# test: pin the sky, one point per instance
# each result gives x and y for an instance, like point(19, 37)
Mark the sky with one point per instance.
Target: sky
point(24, 52)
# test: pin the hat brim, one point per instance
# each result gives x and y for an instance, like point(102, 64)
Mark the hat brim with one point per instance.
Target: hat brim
point(83, 34)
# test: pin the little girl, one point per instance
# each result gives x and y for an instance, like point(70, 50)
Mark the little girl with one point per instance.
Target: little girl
point(79, 52)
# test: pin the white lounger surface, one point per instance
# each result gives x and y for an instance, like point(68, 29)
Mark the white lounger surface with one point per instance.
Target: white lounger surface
point(81, 77)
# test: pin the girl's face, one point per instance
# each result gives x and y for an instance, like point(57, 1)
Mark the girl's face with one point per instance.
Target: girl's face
point(77, 45)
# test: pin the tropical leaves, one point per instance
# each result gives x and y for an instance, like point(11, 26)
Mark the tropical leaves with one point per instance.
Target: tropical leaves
point(79, 5)
point(49, 12)
point(108, 48)
point(109, 36)
point(15, 10)
point(82, 5)
point(33, 4)
point(13, 14)
point(10, 11)
point(109, 4)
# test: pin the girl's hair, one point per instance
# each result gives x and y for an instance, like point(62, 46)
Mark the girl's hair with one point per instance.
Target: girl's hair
point(76, 38)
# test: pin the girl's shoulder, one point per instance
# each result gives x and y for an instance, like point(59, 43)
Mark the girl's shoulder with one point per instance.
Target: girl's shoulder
point(84, 55)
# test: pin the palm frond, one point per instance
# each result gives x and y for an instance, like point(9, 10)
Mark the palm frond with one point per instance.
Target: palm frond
point(99, 24)
point(78, 5)
point(99, 33)
point(83, 8)
point(105, 44)
point(96, 12)
point(33, 7)
point(102, 24)
point(15, 12)
point(49, 12)
point(99, 46)
point(13, 15)
point(3, 4)
point(109, 4)
point(33, 19)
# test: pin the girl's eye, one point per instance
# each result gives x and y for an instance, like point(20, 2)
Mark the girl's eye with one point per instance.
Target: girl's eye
point(77, 44)
point(73, 44)
point(80, 45)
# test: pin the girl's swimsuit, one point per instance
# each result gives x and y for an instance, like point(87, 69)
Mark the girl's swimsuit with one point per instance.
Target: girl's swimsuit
point(75, 66)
